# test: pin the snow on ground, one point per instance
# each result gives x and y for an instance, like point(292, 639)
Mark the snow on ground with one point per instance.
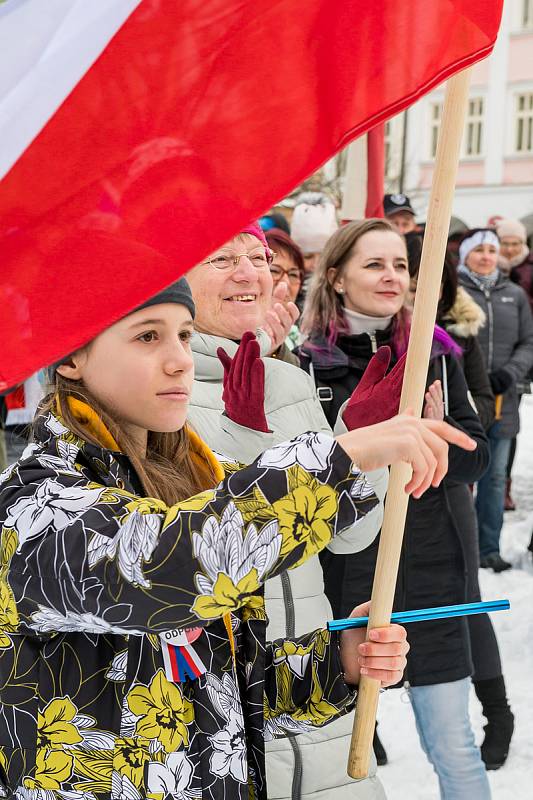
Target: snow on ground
point(408, 776)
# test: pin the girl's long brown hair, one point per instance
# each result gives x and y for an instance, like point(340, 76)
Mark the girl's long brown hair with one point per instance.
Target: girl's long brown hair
point(167, 472)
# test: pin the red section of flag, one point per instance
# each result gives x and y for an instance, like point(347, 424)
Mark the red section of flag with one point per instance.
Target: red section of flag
point(375, 178)
point(16, 399)
point(193, 121)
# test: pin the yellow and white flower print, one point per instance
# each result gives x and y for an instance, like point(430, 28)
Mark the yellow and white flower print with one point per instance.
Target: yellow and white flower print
point(117, 670)
point(317, 709)
point(196, 503)
point(55, 725)
point(162, 711)
point(361, 488)
point(52, 505)
point(292, 661)
point(55, 425)
point(132, 546)
point(52, 769)
point(312, 451)
point(9, 618)
point(63, 463)
point(229, 743)
point(234, 562)
point(130, 758)
point(172, 778)
point(123, 789)
point(284, 725)
point(295, 656)
point(49, 620)
point(279, 721)
point(229, 752)
point(305, 516)
point(3, 767)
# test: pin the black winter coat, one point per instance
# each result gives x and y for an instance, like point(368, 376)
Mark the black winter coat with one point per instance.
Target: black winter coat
point(506, 341)
point(439, 557)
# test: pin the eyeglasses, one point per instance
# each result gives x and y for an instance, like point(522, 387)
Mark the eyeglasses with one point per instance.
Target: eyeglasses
point(222, 262)
point(278, 273)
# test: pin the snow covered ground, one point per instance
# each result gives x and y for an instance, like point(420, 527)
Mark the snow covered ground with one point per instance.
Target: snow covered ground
point(408, 776)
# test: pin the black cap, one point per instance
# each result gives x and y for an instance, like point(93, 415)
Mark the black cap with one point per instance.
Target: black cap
point(393, 203)
point(178, 292)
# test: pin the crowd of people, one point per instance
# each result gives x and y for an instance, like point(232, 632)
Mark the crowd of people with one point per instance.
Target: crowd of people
point(204, 490)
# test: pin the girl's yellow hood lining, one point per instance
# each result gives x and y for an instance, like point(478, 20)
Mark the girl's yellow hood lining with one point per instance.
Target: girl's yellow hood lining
point(201, 455)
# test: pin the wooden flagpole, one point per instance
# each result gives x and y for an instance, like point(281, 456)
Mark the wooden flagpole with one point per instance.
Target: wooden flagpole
point(425, 309)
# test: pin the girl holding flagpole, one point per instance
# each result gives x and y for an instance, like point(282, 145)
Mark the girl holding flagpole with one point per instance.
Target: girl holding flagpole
point(133, 659)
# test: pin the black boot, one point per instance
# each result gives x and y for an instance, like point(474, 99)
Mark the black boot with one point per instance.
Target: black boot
point(495, 562)
point(379, 750)
point(500, 721)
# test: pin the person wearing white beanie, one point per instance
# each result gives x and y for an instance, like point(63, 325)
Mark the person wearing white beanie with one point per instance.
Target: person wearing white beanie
point(313, 222)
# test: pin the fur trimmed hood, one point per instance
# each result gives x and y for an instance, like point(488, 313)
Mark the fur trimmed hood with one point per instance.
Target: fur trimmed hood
point(465, 318)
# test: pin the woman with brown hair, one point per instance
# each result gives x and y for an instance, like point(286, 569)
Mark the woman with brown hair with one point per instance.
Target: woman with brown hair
point(355, 309)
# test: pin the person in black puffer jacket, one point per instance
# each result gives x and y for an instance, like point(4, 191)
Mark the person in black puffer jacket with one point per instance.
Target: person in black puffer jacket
point(507, 345)
point(462, 318)
point(516, 261)
point(355, 305)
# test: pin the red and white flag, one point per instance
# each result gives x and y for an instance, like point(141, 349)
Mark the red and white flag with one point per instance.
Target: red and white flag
point(138, 135)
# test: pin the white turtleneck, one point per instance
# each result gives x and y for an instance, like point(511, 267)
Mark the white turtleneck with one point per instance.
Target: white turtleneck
point(361, 323)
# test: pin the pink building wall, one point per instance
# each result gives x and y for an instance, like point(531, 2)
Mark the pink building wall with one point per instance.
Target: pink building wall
point(519, 170)
point(520, 65)
point(480, 73)
point(470, 173)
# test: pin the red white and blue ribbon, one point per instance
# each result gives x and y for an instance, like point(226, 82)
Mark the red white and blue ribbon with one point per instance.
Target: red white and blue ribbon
point(181, 660)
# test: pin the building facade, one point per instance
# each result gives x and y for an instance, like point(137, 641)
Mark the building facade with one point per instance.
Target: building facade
point(495, 176)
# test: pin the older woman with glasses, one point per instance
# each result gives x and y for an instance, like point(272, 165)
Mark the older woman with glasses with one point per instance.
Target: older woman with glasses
point(234, 293)
point(287, 261)
point(288, 267)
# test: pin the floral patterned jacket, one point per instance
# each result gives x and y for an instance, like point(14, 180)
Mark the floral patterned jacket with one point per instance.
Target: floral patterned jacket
point(133, 661)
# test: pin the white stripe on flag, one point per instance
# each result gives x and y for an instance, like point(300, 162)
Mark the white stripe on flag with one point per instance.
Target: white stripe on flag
point(46, 49)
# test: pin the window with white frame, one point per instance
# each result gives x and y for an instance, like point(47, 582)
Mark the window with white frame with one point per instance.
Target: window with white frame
point(472, 143)
point(526, 16)
point(435, 117)
point(473, 136)
point(524, 123)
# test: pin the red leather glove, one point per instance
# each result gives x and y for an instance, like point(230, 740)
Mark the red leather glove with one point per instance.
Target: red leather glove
point(377, 396)
point(244, 384)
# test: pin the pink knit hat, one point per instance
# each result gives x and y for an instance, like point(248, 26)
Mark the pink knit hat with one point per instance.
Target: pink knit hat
point(255, 230)
point(511, 227)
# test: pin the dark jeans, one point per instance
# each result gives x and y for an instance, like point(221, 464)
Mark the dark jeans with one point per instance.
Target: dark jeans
point(491, 495)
